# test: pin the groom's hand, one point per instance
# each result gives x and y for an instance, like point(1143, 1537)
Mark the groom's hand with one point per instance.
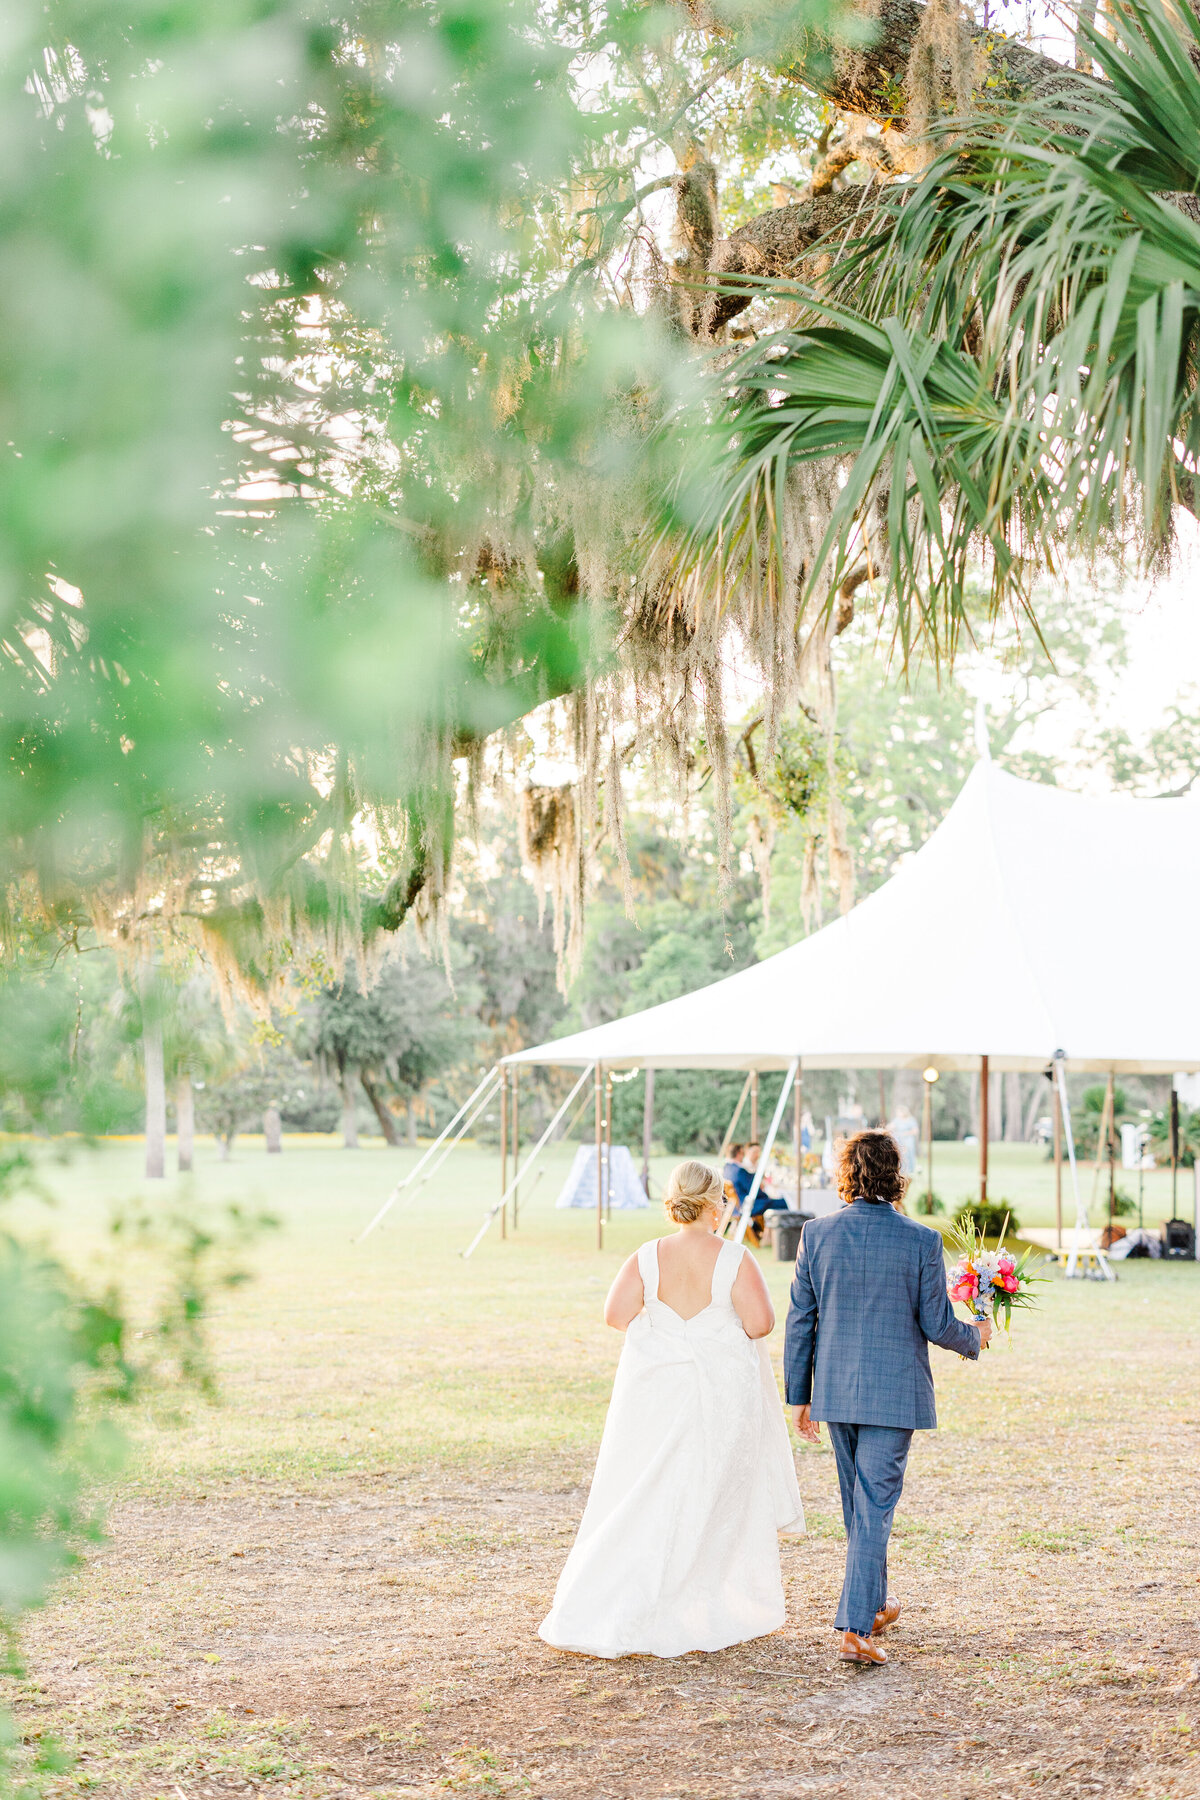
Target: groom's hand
point(984, 1328)
point(805, 1424)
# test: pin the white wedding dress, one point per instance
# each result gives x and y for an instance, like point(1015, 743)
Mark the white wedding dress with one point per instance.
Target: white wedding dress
point(678, 1547)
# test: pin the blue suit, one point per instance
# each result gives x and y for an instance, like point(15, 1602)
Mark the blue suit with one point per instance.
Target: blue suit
point(868, 1298)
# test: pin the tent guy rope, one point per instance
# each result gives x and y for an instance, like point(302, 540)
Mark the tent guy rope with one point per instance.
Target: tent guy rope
point(529, 1162)
point(490, 1081)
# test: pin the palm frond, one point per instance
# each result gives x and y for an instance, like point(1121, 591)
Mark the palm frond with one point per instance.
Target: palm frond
point(1004, 363)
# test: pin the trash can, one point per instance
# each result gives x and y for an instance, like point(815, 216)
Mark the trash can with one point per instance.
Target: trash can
point(787, 1227)
point(1179, 1240)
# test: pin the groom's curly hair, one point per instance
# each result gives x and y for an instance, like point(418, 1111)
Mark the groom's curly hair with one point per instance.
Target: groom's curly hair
point(869, 1169)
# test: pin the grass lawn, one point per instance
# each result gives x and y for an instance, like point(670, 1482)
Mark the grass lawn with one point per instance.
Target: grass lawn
point(328, 1584)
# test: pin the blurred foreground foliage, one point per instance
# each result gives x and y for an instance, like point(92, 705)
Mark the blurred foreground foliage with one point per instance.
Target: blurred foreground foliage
point(73, 1354)
point(313, 376)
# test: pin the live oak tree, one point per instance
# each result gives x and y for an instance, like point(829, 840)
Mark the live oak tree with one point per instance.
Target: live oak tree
point(431, 293)
point(408, 280)
point(392, 1039)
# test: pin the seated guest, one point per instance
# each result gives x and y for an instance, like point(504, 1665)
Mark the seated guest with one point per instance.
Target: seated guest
point(743, 1181)
point(733, 1168)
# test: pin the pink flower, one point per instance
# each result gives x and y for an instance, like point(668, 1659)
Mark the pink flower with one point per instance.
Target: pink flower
point(1008, 1281)
point(965, 1288)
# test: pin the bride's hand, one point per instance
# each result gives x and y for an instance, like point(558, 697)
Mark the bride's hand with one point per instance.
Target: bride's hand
point(805, 1424)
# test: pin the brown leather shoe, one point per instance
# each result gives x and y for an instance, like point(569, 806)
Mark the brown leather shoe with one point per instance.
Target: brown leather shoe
point(888, 1616)
point(860, 1649)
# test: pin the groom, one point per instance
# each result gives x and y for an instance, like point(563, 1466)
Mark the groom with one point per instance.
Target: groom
point(868, 1299)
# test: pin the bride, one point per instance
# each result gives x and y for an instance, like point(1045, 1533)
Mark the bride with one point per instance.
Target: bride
point(678, 1546)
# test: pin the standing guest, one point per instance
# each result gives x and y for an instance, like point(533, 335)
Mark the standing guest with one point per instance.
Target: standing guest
point(868, 1298)
point(906, 1131)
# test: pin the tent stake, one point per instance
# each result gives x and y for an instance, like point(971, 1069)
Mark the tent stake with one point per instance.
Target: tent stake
point(984, 1129)
point(529, 1161)
point(760, 1171)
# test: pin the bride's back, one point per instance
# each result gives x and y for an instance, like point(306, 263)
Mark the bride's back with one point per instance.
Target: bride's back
point(685, 1271)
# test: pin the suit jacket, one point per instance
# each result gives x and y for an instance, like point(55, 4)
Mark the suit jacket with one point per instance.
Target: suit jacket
point(868, 1299)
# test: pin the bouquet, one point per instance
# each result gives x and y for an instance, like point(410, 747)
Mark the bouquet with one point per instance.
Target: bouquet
point(990, 1280)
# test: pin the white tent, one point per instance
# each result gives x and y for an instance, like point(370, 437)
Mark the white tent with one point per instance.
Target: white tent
point(1031, 921)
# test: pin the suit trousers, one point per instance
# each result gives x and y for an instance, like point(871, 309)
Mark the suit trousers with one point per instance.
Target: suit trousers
point(870, 1463)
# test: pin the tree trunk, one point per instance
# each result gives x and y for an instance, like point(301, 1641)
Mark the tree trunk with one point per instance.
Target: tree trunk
point(155, 1076)
point(273, 1131)
point(1012, 1107)
point(349, 1112)
point(1085, 13)
point(382, 1111)
point(227, 1138)
point(1040, 1098)
point(410, 1125)
point(185, 1123)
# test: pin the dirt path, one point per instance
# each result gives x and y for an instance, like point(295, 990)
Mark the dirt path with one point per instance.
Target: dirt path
point(381, 1642)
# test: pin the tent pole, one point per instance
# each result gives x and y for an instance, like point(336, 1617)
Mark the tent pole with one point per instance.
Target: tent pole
point(599, 1122)
point(1058, 1121)
point(730, 1205)
point(927, 1123)
point(737, 1113)
point(1174, 1144)
point(608, 1087)
point(503, 1149)
point(400, 1186)
point(1082, 1222)
point(760, 1171)
point(754, 1106)
point(1110, 1100)
point(1101, 1138)
point(516, 1141)
point(647, 1129)
point(798, 1135)
point(529, 1161)
point(984, 1127)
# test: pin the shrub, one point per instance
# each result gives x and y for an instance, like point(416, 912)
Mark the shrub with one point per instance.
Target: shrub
point(927, 1203)
point(988, 1218)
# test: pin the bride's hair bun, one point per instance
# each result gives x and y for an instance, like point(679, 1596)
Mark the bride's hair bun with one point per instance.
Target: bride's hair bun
point(692, 1187)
